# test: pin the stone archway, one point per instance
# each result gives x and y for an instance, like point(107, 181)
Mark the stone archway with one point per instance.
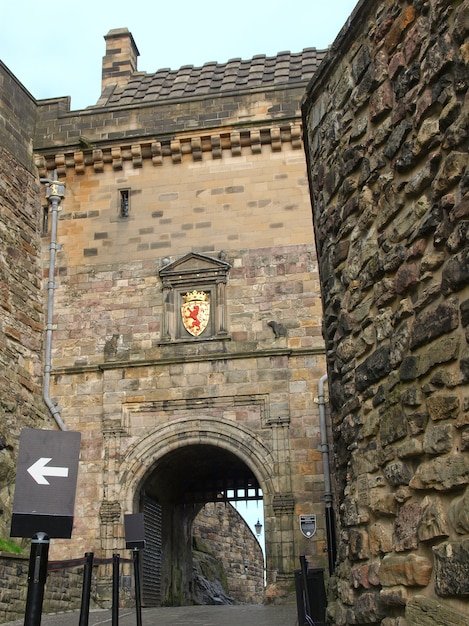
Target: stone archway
point(154, 469)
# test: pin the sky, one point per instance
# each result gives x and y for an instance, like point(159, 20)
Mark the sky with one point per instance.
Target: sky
point(56, 49)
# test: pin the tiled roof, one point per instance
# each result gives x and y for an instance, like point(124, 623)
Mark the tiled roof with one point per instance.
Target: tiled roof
point(213, 78)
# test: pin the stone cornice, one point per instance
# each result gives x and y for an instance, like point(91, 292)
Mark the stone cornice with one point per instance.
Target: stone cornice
point(193, 358)
point(169, 150)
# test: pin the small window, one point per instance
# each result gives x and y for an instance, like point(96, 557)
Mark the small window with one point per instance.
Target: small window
point(124, 198)
point(45, 219)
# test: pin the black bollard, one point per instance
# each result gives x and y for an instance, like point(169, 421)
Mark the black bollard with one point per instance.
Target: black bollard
point(37, 576)
point(86, 589)
point(138, 601)
point(115, 589)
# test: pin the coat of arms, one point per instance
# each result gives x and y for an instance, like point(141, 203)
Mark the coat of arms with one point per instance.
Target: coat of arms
point(195, 312)
point(308, 525)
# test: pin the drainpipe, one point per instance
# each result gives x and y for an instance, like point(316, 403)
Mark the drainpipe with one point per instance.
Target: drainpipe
point(55, 191)
point(324, 448)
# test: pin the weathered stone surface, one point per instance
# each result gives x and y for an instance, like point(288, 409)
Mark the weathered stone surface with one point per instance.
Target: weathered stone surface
point(432, 524)
point(443, 407)
point(432, 324)
point(456, 273)
point(394, 596)
point(373, 369)
point(406, 525)
point(452, 569)
point(459, 513)
point(393, 425)
point(409, 570)
point(382, 503)
point(368, 609)
point(438, 439)
point(410, 448)
point(422, 611)
point(397, 474)
point(381, 538)
point(358, 544)
point(441, 473)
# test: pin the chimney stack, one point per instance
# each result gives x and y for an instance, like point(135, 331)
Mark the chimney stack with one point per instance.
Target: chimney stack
point(120, 61)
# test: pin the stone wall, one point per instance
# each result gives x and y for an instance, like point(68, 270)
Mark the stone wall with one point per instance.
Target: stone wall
point(223, 530)
point(62, 590)
point(21, 305)
point(387, 142)
point(14, 577)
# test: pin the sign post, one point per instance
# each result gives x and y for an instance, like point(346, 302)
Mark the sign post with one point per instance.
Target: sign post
point(46, 479)
point(36, 579)
point(134, 525)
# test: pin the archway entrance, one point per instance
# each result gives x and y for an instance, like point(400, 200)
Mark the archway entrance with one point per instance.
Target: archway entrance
point(173, 493)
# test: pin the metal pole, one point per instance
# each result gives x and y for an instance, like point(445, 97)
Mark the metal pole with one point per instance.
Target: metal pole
point(138, 601)
point(86, 590)
point(304, 576)
point(55, 193)
point(115, 589)
point(37, 575)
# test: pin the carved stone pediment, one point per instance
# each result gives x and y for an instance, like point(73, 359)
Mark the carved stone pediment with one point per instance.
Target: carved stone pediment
point(202, 279)
point(194, 268)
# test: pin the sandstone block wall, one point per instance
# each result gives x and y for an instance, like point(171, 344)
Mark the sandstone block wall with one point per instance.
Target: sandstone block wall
point(387, 143)
point(120, 382)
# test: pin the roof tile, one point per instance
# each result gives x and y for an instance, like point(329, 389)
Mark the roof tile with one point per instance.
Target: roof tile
point(213, 77)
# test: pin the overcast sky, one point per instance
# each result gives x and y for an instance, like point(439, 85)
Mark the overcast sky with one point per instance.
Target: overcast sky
point(56, 49)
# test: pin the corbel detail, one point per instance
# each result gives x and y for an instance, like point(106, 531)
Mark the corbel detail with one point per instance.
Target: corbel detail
point(172, 150)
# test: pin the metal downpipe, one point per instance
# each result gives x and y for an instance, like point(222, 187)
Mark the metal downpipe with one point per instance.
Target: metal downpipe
point(324, 448)
point(55, 191)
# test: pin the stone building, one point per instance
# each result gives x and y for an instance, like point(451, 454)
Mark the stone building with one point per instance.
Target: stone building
point(186, 340)
point(189, 187)
point(386, 133)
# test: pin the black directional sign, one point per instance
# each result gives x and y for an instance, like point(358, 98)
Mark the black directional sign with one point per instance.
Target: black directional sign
point(46, 481)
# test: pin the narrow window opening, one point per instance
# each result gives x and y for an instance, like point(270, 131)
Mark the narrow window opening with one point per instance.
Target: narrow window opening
point(45, 219)
point(124, 202)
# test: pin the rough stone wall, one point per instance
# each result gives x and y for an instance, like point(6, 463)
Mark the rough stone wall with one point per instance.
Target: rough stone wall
point(228, 537)
point(387, 143)
point(21, 304)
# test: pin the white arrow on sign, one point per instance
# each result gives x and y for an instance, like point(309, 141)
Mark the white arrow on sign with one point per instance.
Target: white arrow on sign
point(38, 471)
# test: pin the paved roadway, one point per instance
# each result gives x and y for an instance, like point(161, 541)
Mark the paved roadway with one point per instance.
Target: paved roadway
point(237, 615)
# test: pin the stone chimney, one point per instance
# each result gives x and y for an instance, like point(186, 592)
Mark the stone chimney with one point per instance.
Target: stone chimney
point(120, 61)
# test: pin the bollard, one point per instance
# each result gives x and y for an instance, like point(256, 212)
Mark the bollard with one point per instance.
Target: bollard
point(138, 601)
point(86, 590)
point(115, 589)
point(36, 579)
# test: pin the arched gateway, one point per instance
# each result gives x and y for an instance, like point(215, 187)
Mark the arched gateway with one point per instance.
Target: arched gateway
point(176, 469)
